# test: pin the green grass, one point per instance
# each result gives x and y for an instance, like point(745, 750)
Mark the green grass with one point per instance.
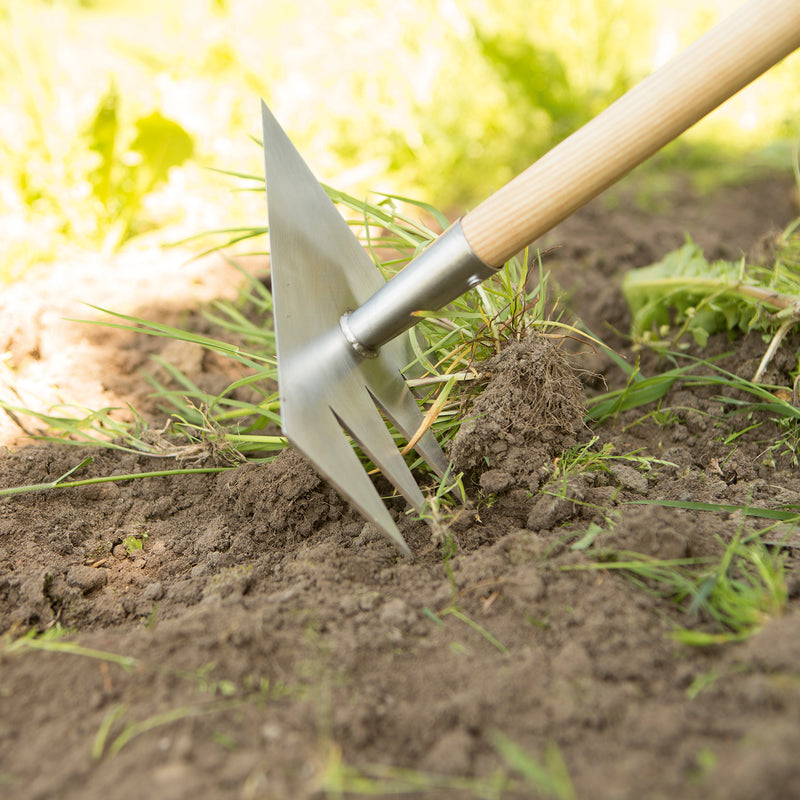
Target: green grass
point(441, 509)
point(520, 772)
point(740, 395)
point(242, 422)
point(721, 599)
point(121, 725)
point(107, 746)
point(52, 641)
point(590, 457)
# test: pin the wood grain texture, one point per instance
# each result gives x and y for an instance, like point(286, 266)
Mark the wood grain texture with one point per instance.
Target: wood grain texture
point(641, 122)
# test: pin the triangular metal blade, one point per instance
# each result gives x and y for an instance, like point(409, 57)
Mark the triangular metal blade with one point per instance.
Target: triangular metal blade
point(319, 272)
point(319, 268)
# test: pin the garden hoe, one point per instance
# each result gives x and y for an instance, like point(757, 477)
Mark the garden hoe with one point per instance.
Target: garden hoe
point(337, 321)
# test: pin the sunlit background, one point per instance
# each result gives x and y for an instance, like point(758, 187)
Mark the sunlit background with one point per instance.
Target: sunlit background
point(114, 113)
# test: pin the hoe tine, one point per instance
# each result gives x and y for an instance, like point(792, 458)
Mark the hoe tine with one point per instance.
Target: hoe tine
point(320, 439)
point(319, 272)
point(392, 394)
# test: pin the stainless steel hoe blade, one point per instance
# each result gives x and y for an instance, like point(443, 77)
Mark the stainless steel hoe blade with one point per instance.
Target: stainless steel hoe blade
point(319, 272)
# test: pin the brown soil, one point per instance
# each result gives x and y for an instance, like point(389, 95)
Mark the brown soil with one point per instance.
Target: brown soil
point(266, 636)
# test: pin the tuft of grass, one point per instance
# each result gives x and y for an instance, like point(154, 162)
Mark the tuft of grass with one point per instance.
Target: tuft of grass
point(106, 746)
point(547, 779)
point(521, 773)
point(51, 642)
point(439, 510)
point(242, 422)
point(444, 539)
point(725, 599)
point(588, 457)
point(742, 396)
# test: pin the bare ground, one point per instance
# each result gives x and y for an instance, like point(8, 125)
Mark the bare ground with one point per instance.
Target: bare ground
point(265, 635)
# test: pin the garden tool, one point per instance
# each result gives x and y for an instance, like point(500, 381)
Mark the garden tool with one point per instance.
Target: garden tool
point(338, 322)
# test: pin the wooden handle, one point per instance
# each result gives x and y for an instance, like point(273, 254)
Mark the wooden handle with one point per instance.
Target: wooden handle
point(650, 115)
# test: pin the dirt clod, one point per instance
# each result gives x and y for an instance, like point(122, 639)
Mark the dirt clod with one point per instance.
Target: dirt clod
point(529, 413)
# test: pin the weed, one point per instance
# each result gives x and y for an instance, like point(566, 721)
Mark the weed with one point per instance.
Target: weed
point(439, 517)
point(134, 542)
point(448, 549)
point(60, 483)
point(662, 416)
point(788, 441)
point(521, 772)
point(739, 395)
point(701, 298)
point(684, 293)
point(746, 588)
point(50, 641)
point(550, 779)
point(587, 537)
point(339, 779)
point(638, 391)
point(588, 458)
point(107, 743)
point(438, 511)
point(103, 747)
point(735, 594)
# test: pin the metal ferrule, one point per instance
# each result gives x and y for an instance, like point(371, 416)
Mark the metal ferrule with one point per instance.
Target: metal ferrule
point(441, 273)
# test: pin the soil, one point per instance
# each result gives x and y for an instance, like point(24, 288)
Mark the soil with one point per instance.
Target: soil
point(263, 642)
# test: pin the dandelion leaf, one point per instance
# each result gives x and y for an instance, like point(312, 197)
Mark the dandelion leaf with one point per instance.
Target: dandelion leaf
point(686, 291)
point(162, 144)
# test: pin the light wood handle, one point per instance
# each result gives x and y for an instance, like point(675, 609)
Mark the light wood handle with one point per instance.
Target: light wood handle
point(641, 122)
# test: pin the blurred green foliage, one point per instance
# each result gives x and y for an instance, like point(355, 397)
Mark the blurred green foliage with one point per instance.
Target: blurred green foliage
point(125, 174)
point(109, 108)
point(68, 179)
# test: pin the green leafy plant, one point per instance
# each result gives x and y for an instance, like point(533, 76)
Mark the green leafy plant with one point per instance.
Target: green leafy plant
point(77, 178)
point(134, 543)
point(127, 171)
point(684, 293)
